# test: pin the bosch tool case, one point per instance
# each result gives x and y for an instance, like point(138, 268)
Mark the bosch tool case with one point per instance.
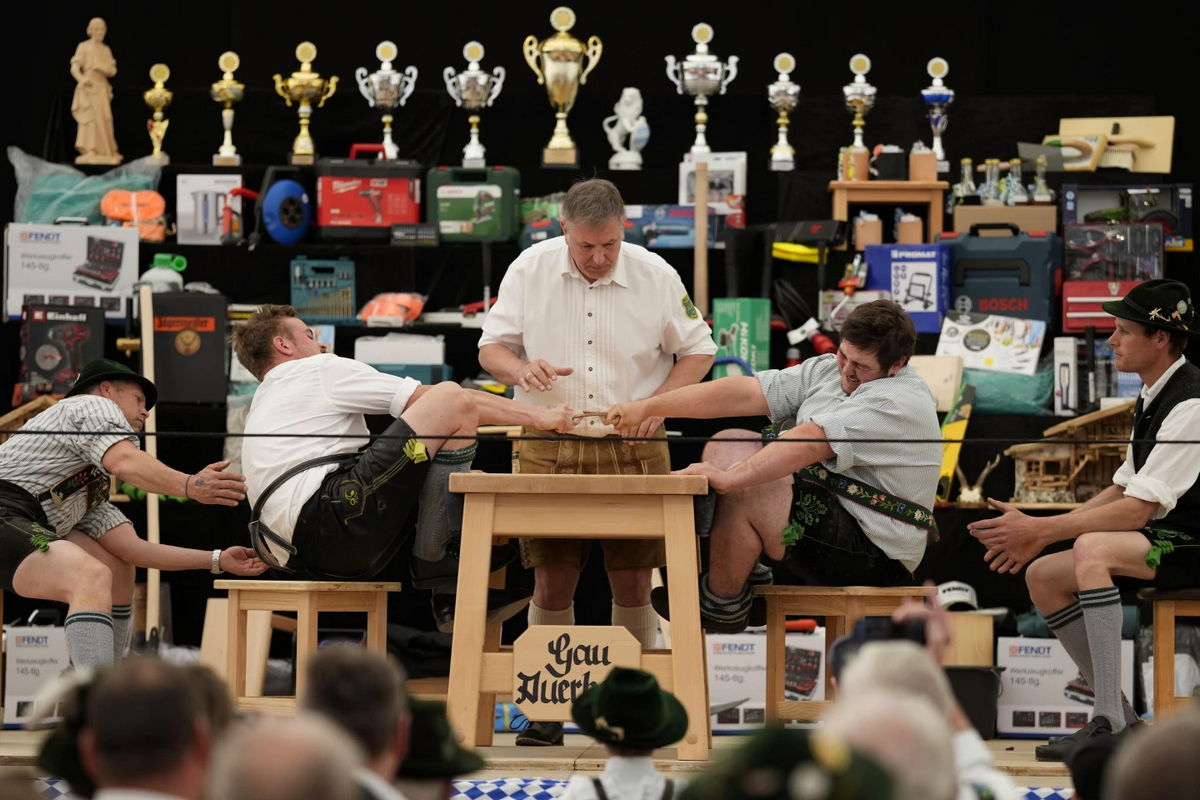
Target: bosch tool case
point(474, 205)
point(1017, 276)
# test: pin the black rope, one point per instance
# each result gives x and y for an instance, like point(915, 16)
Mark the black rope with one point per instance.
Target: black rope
point(485, 437)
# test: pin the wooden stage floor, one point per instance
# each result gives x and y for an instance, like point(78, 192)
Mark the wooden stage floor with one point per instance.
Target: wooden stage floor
point(579, 754)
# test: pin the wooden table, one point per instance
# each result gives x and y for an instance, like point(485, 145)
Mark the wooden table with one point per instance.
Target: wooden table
point(498, 507)
point(894, 192)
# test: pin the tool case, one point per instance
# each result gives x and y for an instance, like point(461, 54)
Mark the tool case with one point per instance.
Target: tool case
point(474, 204)
point(1017, 276)
point(362, 200)
point(1083, 301)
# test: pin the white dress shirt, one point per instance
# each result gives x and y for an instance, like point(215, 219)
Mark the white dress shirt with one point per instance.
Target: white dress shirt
point(322, 394)
point(1170, 470)
point(376, 787)
point(624, 778)
point(890, 411)
point(974, 768)
point(620, 335)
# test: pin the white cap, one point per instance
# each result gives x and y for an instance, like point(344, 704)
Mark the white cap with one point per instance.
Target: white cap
point(954, 593)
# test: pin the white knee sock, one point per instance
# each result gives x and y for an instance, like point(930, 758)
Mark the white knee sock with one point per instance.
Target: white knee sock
point(89, 639)
point(544, 616)
point(122, 618)
point(641, 621)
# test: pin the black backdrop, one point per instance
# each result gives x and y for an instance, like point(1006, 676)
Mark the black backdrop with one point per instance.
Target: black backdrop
point(1017, 67)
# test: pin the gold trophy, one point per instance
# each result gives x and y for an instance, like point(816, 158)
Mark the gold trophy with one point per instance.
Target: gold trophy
point(562, 73)
point(158, 98)
point(227, 91)
point(304, 87)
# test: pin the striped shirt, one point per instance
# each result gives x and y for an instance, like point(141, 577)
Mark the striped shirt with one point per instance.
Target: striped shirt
point(38, 463)
point(895, 409)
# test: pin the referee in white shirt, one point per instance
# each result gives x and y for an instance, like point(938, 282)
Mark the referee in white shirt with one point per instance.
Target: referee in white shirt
point(849, 504)
point(60, 538)
point(589, 321)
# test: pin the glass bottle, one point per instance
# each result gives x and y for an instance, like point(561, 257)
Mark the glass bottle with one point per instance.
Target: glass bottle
point(1014, 190)
point(1040, 191)
point(989, 193)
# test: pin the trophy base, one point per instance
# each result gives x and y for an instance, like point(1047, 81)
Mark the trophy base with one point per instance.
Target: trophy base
point(302, 159)
point(474, 163)
point(943, 166)
point(93, 158)
point(555, 157)
point(227, 161)
point(783, 166)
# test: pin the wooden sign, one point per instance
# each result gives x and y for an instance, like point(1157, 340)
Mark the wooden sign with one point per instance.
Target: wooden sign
point(553, 664)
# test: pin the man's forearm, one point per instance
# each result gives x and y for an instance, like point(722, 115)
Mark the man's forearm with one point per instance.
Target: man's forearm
point(725, 397)
point(150, 475)
point(687, 371)
point(782, 458)
point(499, 360)
point(124, 543)
point(1110, 495)
point(1125, 514)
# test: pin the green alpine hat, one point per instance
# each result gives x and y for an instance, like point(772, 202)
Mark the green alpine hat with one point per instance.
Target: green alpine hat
point(433, 752)
point(102, 369)
point(779, 764)
point(1159, 303)
point(628, 709)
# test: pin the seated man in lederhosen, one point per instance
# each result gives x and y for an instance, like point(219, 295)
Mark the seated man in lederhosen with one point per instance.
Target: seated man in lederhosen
point(844, 497)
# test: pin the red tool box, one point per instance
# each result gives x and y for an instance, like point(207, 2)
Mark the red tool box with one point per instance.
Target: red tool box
point(362, 200)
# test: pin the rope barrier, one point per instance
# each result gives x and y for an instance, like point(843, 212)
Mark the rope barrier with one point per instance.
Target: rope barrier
point(499, 437)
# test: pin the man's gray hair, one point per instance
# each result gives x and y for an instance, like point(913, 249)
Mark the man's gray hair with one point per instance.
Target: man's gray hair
point(906, 736)
point(1159, 764)
point(305, 758)
point(898, 666)
point(592, 203)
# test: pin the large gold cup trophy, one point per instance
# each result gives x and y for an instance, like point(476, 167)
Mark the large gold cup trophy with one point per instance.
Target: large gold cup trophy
point(304, 87)
point(562, 72)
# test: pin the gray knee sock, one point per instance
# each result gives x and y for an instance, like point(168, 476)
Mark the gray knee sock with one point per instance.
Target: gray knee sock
point(122, 618)
point(90, 639)
point(1069, 628)
point(433, 523)
point(761, 575)
point(724, 609)
point(1102, 618)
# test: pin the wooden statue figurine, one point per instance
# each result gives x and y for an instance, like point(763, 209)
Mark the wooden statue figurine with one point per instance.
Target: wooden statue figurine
point(92, 65)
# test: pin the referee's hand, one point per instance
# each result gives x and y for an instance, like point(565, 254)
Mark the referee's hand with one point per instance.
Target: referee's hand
point(213, 486)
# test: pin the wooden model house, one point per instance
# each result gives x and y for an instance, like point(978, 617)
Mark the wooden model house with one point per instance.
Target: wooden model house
point(1073, 471)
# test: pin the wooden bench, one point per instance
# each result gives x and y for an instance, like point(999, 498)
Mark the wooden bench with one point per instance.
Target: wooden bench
point(842, 607)
point(1168, 604)
point(497, 507)
point(307, 599)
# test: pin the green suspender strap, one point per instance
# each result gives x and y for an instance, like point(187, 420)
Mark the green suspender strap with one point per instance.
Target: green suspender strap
point(868, 496)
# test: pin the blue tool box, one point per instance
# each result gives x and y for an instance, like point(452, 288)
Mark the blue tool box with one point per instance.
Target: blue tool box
point(1017, 276)
point(323, 291)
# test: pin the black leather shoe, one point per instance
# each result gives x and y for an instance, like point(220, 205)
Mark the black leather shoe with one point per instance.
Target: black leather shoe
point(662, 605)
point(442, 573)
point(502, 604)
point(1062, 749)
point(541, 734)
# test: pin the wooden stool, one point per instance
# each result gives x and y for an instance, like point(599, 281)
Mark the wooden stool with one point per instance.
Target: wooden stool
point(843, 607)
point(307, 599)
point(1168, 604)
point(498, 507)
point(901, 193)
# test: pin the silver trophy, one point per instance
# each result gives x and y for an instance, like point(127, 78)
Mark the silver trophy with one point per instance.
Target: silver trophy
point(783, 95)
point(701, 75)
point(387, 89)
point(937, 97)
point(860, 96)
point(474, 89)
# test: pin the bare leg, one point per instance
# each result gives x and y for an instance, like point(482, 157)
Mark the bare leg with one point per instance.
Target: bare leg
point(122, 573)
point(1051, 581)
point(748, 521)
point(1099, 556)
point(445, 410)
point(66, 574)
point(554, 586)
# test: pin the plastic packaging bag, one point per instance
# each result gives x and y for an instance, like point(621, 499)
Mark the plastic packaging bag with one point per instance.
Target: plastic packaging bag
point(46, 191)
point(1007, 393)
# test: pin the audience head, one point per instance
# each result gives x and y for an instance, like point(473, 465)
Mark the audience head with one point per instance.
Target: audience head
point(779, 764)
point(434, 756)
point(363, 694)
point(144, 729)
point(212, 696)
point(305, 758)
point(1160, 764)
point(899, 666)
point(629, 714)
point(906, 736)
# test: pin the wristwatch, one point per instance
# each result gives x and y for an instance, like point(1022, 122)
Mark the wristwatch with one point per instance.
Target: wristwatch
point(216, 562)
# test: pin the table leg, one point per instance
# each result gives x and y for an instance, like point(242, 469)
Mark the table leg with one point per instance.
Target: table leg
point(307, 613)
point(687, 639)
point(235, 647)
point(835, 627)
point(485, 722)
point(935, 214)
point(776, 653)
point(1164, 659)
point(377, 624)
point(466, 654)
